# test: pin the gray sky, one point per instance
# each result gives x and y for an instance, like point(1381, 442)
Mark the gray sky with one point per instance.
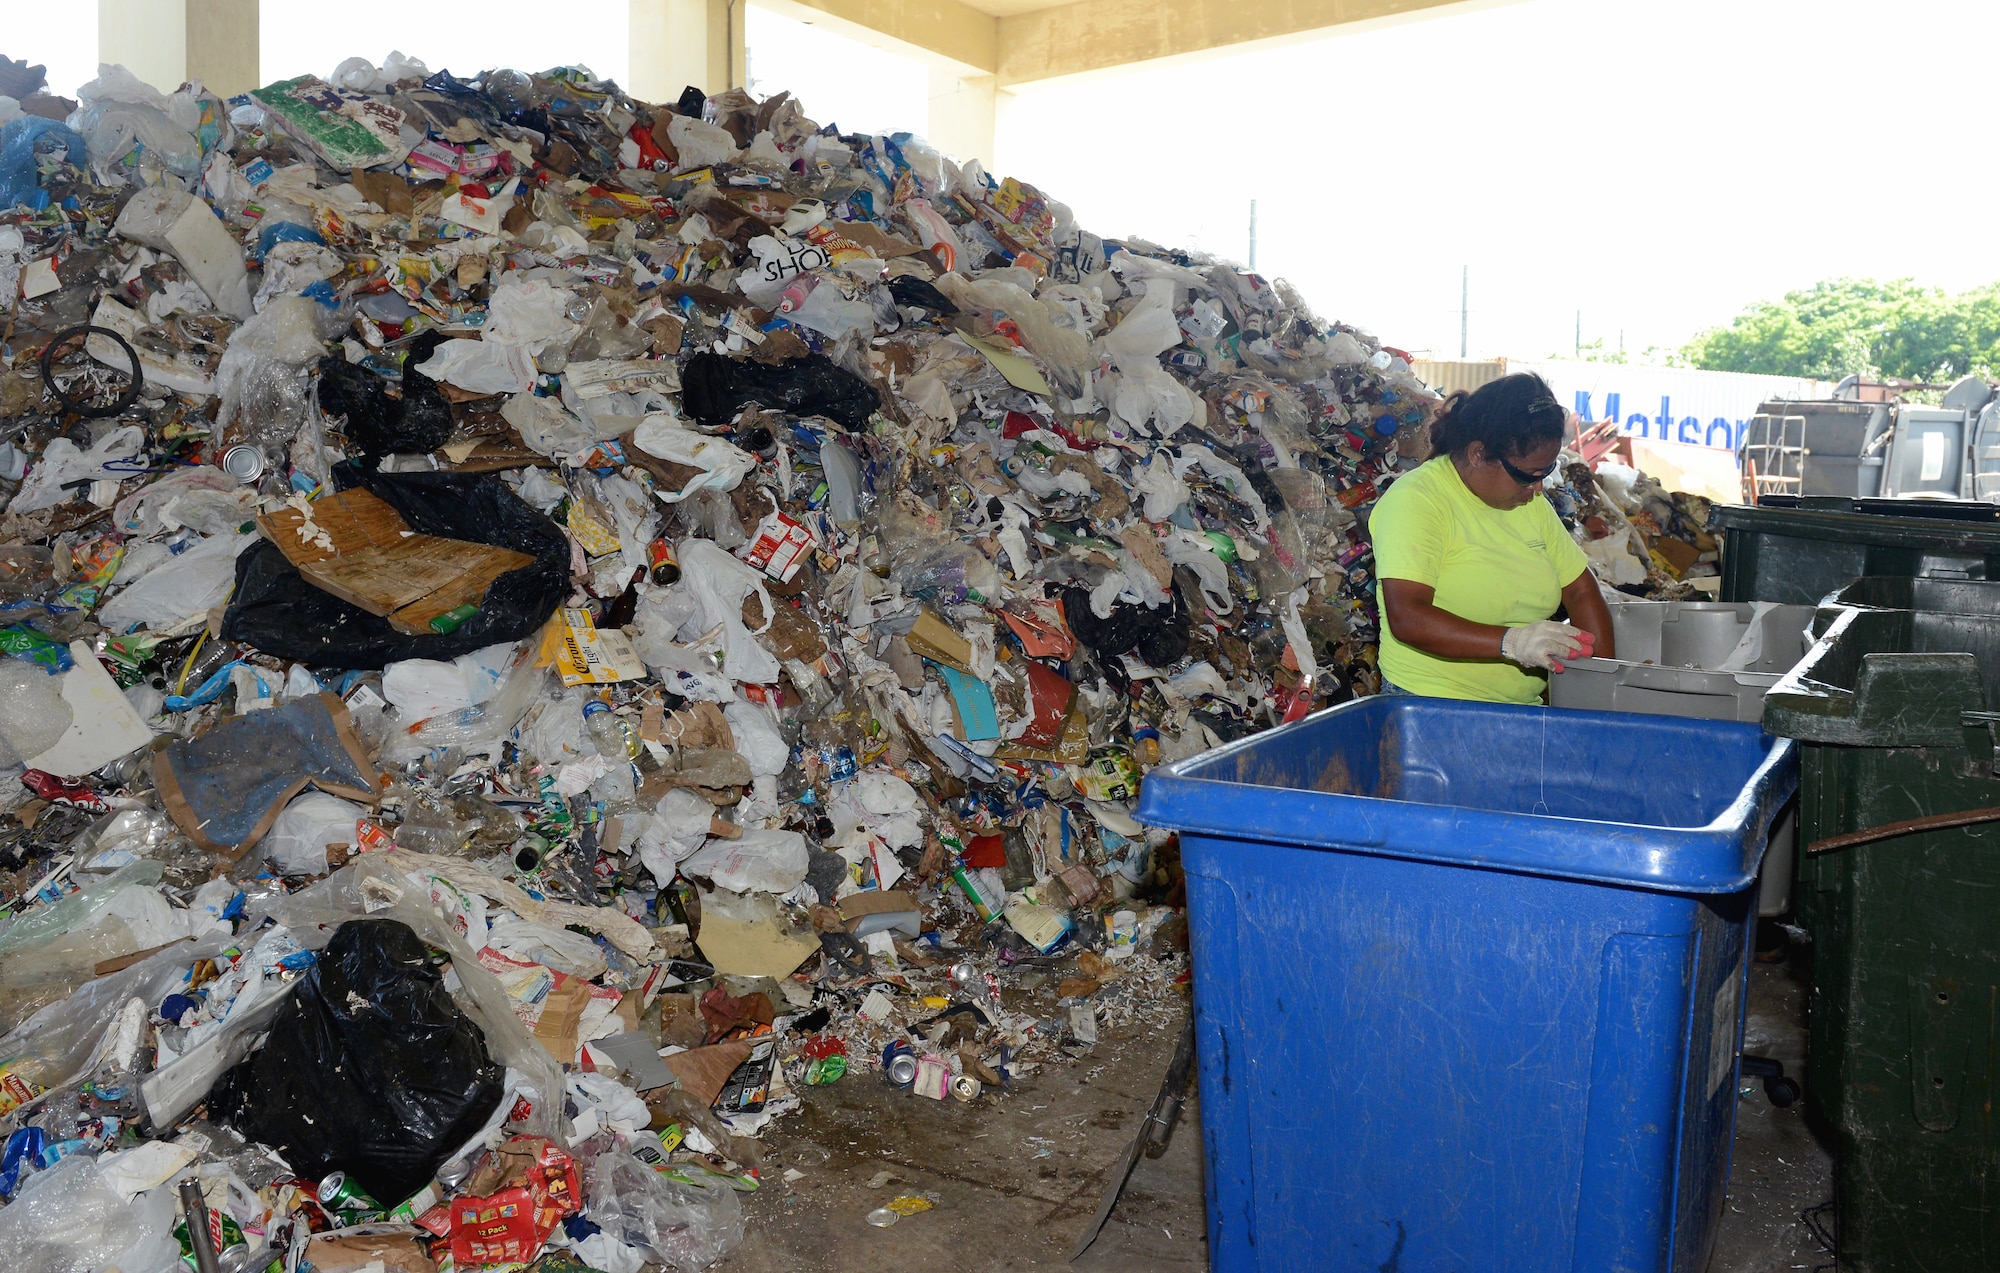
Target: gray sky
point(1656, 164)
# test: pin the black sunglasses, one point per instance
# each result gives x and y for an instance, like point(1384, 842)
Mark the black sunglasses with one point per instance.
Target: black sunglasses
point(1522, 476)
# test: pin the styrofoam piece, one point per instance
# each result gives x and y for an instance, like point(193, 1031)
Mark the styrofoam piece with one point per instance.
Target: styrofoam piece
point(105, 726)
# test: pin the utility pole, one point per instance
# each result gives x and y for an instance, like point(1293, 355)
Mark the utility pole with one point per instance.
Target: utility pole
point(1253, 236)
point(1464, 306)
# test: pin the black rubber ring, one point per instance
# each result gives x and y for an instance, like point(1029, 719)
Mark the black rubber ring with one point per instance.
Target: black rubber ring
point(131, 394)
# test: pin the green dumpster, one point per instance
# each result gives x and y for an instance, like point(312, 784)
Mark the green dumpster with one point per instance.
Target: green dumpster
point(1796, 551)
point(1899, 884)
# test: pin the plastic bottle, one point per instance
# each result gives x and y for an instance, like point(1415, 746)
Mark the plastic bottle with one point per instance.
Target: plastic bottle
point(606, 730)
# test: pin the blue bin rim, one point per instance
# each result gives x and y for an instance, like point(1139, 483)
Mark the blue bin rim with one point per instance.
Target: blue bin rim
point(1718, 858)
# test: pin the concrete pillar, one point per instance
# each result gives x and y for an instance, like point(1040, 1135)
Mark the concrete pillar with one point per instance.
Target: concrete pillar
point(166, 42)
point(675, 43)
point(962, 114)
point(146, 37)
point(222, 45)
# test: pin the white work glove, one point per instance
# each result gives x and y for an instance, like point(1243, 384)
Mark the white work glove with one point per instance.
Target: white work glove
point(1546, 644)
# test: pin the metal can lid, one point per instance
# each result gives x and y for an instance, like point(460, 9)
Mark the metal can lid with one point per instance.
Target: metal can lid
point(329, 1185)
point(244, 463)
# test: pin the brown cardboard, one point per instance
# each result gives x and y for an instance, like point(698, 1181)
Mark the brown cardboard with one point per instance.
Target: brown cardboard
point(937, 641)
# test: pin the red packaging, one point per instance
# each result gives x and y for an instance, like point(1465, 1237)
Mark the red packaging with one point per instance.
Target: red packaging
point(1049, 697)
point(1042, 629)
point(57, 791)
point(498, 1229)
point(778, 547)
point(555, 1186)
point(985, 850)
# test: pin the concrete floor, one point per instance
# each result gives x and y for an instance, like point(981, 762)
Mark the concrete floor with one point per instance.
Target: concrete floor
point(1015, 1181)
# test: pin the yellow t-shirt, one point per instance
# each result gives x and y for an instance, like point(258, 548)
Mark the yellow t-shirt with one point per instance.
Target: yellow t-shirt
point(1487, 565)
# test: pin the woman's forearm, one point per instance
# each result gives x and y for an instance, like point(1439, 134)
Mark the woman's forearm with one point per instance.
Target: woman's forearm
point(1413, 616)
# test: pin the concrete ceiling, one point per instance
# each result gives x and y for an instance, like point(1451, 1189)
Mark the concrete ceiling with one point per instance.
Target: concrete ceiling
point(1022, 41)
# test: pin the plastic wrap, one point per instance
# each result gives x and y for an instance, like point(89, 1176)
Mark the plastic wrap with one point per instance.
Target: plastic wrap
point(686, 1227)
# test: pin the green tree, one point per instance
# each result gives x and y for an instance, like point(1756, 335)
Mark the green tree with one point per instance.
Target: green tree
point(1841, 327)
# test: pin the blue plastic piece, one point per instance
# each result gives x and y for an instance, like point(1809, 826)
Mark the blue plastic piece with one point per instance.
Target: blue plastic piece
point(20, 141)
point(1469, 982)
point(277, 232)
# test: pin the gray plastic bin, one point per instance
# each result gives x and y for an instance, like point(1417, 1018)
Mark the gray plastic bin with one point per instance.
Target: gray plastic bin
point(1670, 660)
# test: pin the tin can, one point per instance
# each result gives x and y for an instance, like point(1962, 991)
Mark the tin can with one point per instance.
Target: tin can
point(899, 1064)
point(661, 563)
point(244, 463)
point(339, 1193)
point(451, 619)
point(965, 1087)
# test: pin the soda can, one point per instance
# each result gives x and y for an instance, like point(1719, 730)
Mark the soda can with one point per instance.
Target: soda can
point(339, 1193)
point(965, 1087)
point(661, 562)
point(244, 463)
point(899, 1064)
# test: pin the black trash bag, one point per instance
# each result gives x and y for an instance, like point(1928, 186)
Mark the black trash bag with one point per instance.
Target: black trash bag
point(370, 1068)
point(276, 610)
point(1160, 634)
point(715, 388)
point(913, 293)
point(378, 424)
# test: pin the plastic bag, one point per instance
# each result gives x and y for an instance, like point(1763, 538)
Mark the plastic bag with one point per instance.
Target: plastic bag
point(370, 1068)
point(723, 465)
point(479, 366)
point(59, 917)
point(20, 142)
point(203, 497)
point(60, 1044)
point(533, 315)
point(63, 462)
point(297, 841)
point(420, 421)
point(720, 583)
point(261, 377)
point(179, 588)
point(715, 388)
point(33, 714)
point(170, 219)
point(120, 111)
point(379, 885)
point(276, 610)
point(757, 861)
point(699, 143)
point(68, 1220)
point(686, 1226)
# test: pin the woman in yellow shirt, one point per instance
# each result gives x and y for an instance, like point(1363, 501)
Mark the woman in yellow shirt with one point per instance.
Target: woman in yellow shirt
point(1472, 562)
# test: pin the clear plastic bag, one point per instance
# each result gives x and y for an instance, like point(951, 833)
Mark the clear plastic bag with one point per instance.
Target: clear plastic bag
point(68, 1220)
point(33, 714)
point(121, 111)
point(687, 1227)
point(60, 917)
point(262, 375)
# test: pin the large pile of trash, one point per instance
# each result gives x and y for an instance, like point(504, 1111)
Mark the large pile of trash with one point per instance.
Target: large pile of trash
point(539, 625)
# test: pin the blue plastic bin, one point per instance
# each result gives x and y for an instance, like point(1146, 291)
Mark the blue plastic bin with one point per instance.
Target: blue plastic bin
point(1469, 983)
